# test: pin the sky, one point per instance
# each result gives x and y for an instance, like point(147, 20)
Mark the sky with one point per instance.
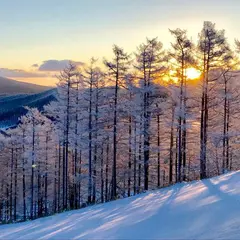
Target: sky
point(38, 37)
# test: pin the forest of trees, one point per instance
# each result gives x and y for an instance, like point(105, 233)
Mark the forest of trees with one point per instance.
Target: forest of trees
point(136, 123)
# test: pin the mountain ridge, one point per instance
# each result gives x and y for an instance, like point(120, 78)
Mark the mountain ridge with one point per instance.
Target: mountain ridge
point(13, 107)
point(10, 86)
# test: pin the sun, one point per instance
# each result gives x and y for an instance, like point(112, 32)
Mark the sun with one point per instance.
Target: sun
point(192, 73)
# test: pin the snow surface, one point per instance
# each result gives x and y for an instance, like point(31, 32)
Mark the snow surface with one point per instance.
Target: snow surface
point(208, 209)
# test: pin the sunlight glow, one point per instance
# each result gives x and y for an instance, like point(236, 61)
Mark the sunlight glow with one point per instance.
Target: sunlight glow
point(192, 73)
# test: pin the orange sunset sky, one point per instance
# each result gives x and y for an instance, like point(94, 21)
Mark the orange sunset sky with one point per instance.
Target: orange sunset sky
point(38, 38)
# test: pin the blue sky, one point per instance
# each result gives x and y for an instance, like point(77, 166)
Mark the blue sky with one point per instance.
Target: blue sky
point(33, 31)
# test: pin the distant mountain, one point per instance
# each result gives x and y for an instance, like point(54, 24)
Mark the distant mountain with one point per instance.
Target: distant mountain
point(12, 107)
point(9, 86)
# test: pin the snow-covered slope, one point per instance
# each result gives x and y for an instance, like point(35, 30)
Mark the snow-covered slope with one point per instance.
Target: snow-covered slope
point(200, 210)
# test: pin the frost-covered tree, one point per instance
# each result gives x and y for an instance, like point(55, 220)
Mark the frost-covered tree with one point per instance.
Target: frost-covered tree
point(149, 63)
point(213, 49)
point(117, 68)
point(181, 59)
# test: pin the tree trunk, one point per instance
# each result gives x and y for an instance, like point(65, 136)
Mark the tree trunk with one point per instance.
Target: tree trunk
point(158, 153)
point(171, 148)
point(129, 155)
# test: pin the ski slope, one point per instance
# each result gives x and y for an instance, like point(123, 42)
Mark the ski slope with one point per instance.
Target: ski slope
point(207, 209)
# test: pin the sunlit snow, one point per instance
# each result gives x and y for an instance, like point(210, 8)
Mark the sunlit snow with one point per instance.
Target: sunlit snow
point(207, 209)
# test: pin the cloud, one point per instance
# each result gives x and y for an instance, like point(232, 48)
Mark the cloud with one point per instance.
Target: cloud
point(18, 73)
point(46, 69)
point(56, 65)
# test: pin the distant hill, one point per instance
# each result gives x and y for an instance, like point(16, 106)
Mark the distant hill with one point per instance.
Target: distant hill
point(9, 86)
point(12, 107)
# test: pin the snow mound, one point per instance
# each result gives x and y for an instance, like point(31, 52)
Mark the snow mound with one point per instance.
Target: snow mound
point(208, 209)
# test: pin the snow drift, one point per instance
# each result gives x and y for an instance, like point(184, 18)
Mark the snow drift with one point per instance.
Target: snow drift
point(208, 209)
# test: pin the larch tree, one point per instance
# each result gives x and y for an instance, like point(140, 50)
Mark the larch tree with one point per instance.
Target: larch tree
point(117, 68)
point(181, 57)
point(212, 47)
point(149, 62)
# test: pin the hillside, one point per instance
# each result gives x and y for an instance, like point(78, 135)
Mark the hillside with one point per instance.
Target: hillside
point(206, 209)
point(12, 107)
point(9, 86)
